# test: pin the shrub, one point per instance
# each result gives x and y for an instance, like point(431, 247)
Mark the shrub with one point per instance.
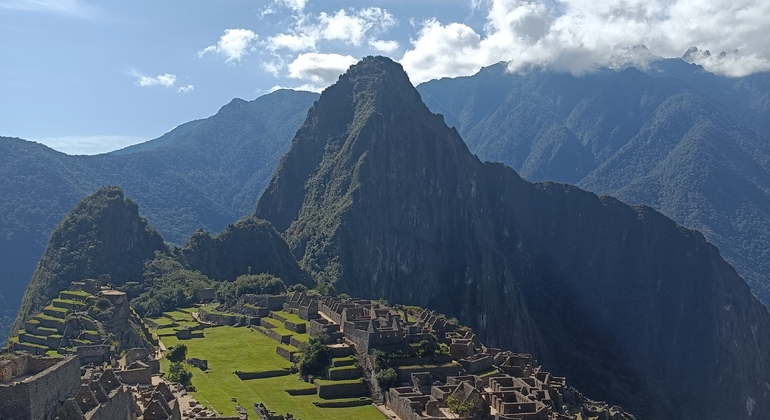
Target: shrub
point(177, 373)
point(177, 353)
point(315, 358)
point(103, 304)
point(386, 378)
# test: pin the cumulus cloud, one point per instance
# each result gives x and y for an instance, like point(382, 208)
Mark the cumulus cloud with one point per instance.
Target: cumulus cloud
point(165, 80)
point(383, 46)
point(580, 35)
point(296, 5)
point(185, 89)
point(234, 44)
point(319, 70)
point(353, 27)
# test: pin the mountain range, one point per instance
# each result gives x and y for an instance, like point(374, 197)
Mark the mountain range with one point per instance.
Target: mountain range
point(202, 175)
point(378, 197)
point(691, 144)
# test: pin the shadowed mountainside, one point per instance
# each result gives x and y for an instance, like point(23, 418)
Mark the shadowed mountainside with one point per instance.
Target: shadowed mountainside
point(203, 174)
point(378, 197)
point(102, 234)
point(691, 144)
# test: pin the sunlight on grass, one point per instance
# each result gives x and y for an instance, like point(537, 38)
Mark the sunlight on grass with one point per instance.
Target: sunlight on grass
point(228, 349)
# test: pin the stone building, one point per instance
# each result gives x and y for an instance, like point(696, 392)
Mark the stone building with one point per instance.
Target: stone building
point(32, 386)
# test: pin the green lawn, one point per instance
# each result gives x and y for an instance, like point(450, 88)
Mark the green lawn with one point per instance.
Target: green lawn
point(228, 349)
point(291, 317)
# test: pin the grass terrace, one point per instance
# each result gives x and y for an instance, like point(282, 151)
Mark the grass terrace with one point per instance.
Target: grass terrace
point(230, 349)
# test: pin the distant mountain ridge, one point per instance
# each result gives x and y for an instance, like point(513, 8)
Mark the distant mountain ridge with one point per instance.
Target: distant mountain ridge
point(691, 144)
point(378, 197)
point(204, 174)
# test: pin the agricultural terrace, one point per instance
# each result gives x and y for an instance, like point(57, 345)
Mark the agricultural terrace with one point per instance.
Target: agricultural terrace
point(230, 349)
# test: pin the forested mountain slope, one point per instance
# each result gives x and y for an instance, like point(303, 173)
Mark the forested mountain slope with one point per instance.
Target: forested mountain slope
point(691, 144)
point(203, 174)
point(378, 197)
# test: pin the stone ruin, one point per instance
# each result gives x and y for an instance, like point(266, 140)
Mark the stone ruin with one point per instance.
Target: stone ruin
point(526, 392)
point(264, 414)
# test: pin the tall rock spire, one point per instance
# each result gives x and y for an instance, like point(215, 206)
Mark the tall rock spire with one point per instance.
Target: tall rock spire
point(380, 198)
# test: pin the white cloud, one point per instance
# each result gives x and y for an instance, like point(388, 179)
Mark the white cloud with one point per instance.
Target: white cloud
point(354, 27)
point(165, 80)
point(234, 44)
point(292, 42)
point(295, 5)
point(731, 63)
point(319, 70)
point(185, 89)
point(273, 67)
point(580, 35)
point(443, 51)
point(384, 46)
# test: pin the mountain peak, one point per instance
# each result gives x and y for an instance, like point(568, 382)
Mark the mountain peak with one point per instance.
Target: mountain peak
point(371, 121)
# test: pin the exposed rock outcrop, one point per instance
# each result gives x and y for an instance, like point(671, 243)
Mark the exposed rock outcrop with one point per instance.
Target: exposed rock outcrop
point(380, 197)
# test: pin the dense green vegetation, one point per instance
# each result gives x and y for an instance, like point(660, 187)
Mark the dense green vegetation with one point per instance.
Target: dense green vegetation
point(382, 198)
point(229, 349)
point(103, 234)
point(203, 174)
point(167, 285)
point(693, 145)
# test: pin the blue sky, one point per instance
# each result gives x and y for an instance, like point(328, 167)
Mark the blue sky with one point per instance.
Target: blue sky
point(87, 77)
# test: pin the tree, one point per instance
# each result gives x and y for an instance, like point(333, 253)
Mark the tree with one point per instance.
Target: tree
point(315, 358)
point(177, 373)
point(177, 353)
point(386, 378)
point(465, 407)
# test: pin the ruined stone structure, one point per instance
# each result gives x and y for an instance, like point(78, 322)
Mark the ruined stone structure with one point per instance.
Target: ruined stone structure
point(31, 386)
point(529, 394)
point(48, 388)
point(96, 355)
point(206, 295)
point(101, 397)
point(159, 403)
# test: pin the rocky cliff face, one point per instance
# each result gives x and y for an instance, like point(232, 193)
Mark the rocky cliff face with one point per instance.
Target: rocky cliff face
point(103, 234)
point(378, 196)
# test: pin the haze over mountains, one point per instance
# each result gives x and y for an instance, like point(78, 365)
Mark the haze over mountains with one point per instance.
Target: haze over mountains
point(691, 144)
point(204, 174)
point(378, 197)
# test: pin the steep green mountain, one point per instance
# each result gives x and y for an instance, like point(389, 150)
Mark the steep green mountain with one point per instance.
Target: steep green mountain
point(102, 234)
point(379, 197)
point(248, 246)
point(691, 144)
point(203, 174)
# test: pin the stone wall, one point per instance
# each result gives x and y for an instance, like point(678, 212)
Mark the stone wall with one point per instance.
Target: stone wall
point(344, 390)
point(259, 375)
point(271, 302)
point(135, 354)
point(438, 372)
point(476, 363)
point(141, 376)
point(119, 406)
point(285, 339)
point(218, 319)
point(286, 354)
point(38, 396)
point(299, 328)
point(24, 365)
